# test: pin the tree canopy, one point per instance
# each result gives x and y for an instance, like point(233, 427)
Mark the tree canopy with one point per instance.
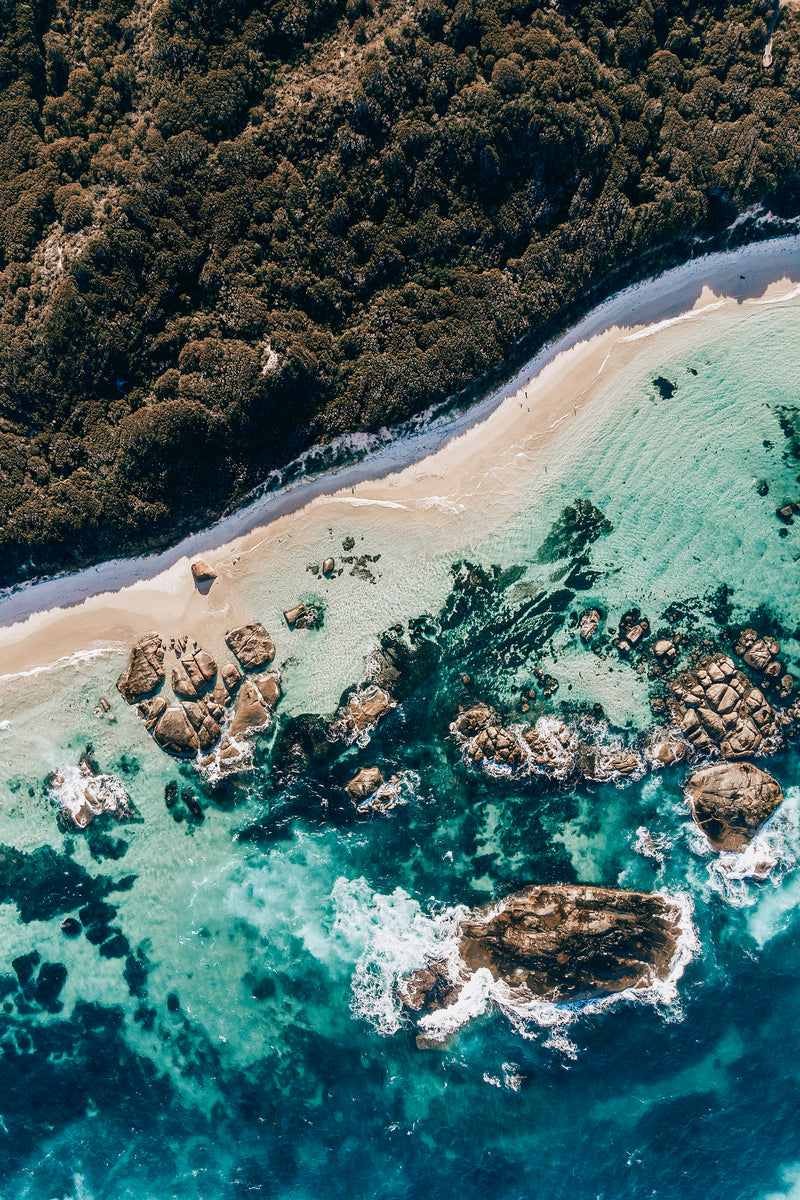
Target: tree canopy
point(229, 230)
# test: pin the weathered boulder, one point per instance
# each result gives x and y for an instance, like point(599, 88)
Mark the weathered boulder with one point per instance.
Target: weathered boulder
point(145, 671)
point(664, 750)
point(328, 566)
point(174, 732)
point(362, 785)
point(564, 943)
point(196, 672)
point(202, 572)
point(231, 677)
point(269, 685)
point(252, 645)
point(731, 801)
point(203, 722)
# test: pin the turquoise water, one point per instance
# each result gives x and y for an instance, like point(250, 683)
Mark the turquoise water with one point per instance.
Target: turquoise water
point(228, 1024)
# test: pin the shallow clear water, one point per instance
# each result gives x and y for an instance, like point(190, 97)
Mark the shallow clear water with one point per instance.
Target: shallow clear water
point(230, 1028)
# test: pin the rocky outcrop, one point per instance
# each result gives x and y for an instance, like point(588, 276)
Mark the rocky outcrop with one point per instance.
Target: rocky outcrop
point(362, 710)
point(252, 645)
point(561, 944)
point(430, 988)
point(145, 671)
point(83, 795)
point(719, 710)
point(731, 801)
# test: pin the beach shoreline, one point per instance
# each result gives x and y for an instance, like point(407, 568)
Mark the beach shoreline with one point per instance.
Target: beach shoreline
point(443, 466)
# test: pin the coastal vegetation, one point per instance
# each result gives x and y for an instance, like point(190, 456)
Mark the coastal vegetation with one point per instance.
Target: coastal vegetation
point(229, 231)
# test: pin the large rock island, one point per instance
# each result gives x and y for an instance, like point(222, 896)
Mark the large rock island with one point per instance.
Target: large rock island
point(560, 944)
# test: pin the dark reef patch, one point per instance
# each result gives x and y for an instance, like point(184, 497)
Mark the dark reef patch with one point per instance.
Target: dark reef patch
point(44, 884)
point(580, 524)
point(665, 387)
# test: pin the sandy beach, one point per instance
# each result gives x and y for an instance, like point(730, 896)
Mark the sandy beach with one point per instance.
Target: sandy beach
point(445, 469)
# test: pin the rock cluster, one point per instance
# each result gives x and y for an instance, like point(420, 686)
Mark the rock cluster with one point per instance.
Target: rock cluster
point(549, 747)
point(719, 710)
point(633, 627)
point(731, 801)
point(588, 624)
point(207, 701)
point(761, 655)
point(559, 943)
point(364, 784)
point(370, 792)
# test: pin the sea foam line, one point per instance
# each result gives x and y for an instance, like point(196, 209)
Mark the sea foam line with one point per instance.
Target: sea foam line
point(80, 656)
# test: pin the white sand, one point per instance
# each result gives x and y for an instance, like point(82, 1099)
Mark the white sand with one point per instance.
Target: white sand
point(446, 467)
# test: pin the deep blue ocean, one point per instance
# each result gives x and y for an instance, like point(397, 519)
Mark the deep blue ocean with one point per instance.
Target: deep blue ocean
point(226, 1023)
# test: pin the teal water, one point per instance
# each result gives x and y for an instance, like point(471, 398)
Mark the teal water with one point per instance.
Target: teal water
point(228, 1024)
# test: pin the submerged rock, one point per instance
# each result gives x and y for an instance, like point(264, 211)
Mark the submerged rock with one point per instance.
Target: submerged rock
point(731, 801)
point(145, 671)
point(252, 645)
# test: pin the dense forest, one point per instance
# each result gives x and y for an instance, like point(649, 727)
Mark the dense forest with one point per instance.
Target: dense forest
point(230, 228)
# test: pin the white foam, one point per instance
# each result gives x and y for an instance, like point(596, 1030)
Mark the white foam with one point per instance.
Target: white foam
point(665, 324)
point(773, 854)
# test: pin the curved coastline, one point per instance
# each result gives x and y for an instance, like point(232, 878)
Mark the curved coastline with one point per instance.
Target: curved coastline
point(762, 272)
